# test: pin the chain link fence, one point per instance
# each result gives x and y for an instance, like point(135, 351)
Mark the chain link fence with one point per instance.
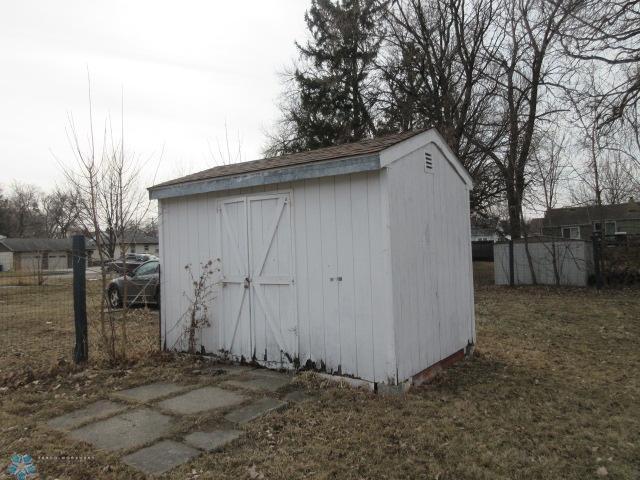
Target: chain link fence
point(619, 258)
point(37, 328)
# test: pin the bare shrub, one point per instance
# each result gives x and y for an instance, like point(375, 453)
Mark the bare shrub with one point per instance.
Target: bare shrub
point(197, 315)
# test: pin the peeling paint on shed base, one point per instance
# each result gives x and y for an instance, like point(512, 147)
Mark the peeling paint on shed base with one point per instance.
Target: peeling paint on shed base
point(425, 376)
point(428, 374)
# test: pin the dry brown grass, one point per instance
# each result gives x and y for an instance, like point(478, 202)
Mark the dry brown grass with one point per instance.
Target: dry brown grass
point(552, 392)
point(37, 325)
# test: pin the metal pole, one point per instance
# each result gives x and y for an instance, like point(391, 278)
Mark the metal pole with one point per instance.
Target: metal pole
point(511, 272)
point(81, 349)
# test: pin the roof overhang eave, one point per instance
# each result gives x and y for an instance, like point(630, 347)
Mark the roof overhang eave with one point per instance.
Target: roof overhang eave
point(292, 173)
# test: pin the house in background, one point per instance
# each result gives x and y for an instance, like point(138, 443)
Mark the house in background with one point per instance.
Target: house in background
point(484, 233)
point(579, 223)
point(135, 242)
point(141, 243)
point(485, 229)
point(36, 254)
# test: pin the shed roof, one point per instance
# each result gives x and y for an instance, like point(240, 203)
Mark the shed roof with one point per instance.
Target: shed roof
point(356, 149)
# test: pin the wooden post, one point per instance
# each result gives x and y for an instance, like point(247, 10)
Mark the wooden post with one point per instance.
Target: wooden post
point(81, 349)
point(595, 238)
point(511, 272)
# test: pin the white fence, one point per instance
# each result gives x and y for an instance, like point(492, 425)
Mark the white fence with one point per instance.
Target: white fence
point(574, 260)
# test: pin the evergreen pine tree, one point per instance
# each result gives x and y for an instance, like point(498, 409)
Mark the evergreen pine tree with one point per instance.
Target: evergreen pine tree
point(335, 84)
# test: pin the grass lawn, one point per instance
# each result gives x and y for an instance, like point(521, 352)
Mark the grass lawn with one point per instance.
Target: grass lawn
point(37, 326)
point(552, 392)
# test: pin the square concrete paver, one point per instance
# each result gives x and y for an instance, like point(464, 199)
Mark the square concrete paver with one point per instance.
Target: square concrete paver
point(211, 441)
point(260, 382)
point(160, 457)
point(94, 411)
point(201, 400)
point(127, 430)
point(254, 410)
point(146, 393)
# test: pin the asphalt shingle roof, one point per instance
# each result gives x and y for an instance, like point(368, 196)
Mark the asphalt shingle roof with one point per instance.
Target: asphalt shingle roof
point(589, 214)
point(36, 244)
point(363, 147)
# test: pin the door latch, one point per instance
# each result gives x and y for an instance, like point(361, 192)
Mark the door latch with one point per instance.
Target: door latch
point(247, 282)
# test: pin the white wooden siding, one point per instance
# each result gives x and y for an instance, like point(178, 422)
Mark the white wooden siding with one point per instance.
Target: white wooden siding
point(431, 260)
point(342, 284)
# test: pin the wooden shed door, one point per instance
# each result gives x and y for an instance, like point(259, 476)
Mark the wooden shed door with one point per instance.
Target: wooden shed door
point(235, 309)
point(260, 283)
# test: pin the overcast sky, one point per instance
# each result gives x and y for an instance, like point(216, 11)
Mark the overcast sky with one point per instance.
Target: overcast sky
point(186, 68)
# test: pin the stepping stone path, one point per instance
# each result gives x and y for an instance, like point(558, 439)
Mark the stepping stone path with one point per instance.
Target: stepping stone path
point(127, 430)
point(201, 400)
point(118, 426)
point(254, 410)
point(94, 411)
point(212, 441)
point(146, 393)
point(160, 457)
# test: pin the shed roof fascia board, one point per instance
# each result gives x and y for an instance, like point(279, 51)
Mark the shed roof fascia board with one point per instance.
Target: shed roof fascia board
point(328, 168)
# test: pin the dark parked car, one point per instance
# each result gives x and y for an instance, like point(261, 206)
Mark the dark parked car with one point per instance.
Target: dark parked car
point(143, 286)
point(132, 261)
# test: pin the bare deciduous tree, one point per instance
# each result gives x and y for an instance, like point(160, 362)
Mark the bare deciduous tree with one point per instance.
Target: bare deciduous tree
point(550, 165)
point(60, 210)
point(25, 207)
point(530, 68)
point(109, 203)
point(607, 33)
point(434, 68)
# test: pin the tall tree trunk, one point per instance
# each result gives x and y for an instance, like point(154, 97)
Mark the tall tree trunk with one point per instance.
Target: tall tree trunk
point(514, 211)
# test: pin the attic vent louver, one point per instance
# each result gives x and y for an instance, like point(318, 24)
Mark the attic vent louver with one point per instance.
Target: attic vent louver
point(428, 162)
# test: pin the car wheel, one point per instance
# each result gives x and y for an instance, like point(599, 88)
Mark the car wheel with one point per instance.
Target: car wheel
point(115, 299)
point(157, 297)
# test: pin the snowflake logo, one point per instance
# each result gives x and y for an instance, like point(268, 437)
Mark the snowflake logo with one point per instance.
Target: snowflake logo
point(21, 467)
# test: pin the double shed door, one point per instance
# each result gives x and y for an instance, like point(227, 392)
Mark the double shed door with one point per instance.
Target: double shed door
point(257, 301)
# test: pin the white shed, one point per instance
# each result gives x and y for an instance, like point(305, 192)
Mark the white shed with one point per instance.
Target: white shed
point(354, 259)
